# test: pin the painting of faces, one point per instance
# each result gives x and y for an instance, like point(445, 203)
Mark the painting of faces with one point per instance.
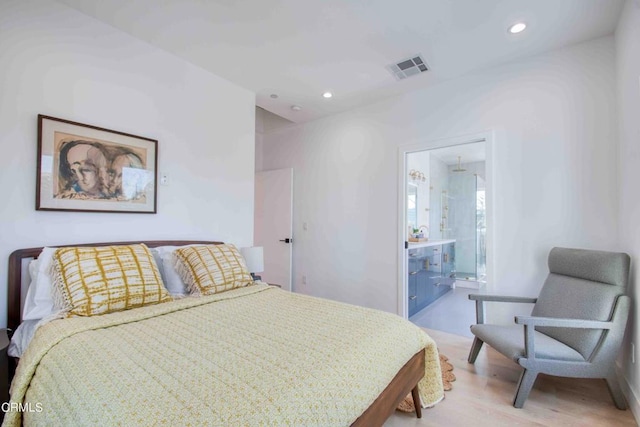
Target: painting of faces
point(90, 169)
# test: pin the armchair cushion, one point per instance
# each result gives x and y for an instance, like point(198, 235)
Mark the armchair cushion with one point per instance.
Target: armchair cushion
point(597, 266)
point(509, 340)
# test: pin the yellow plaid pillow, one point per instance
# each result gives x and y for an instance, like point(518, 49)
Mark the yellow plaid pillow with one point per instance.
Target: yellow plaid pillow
point(103, 279)
point(209, 269)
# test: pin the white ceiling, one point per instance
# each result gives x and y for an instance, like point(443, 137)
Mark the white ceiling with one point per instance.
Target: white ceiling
point(299, 49)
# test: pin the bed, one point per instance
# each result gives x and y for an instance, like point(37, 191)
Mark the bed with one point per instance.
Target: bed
point(255, 355)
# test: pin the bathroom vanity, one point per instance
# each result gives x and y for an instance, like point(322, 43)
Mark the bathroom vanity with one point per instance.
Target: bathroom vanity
point(431, 272)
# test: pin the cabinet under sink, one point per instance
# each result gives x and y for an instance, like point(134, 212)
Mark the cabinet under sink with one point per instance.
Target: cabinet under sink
point(431, 274)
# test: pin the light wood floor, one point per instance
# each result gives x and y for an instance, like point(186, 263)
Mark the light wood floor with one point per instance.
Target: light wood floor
point(482, 395)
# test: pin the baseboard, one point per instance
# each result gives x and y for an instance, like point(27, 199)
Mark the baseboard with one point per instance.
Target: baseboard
point(629, 393)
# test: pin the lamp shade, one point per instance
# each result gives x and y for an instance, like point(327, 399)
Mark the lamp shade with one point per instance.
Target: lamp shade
point(254, 257)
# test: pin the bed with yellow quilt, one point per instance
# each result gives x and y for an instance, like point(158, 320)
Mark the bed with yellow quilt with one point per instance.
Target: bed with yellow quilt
point(249, 355)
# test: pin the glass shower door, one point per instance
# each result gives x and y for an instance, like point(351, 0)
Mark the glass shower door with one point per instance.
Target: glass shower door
point(481, 230)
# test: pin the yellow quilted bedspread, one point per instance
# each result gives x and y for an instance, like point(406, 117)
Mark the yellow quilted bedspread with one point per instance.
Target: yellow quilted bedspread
point(248, 357)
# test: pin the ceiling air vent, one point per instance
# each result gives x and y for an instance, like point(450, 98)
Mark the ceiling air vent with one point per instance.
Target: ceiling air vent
point(408, 67)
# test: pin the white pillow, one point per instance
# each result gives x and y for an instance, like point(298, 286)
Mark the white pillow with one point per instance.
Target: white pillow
point(29, 300)
point(22, 337)
point(172, 280)
point(158, 260)
point(39, 302)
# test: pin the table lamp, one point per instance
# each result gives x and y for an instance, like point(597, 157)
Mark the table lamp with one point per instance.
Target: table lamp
point(254, 257)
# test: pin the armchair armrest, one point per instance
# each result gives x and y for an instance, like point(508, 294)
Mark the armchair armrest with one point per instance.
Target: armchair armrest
point(530, 322)
point(502, 298)
point(562, 323)
point(480, 299)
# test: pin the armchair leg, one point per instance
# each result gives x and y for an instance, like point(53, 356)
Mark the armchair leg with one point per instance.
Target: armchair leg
point(475, 349)
point(527, 379)
point(615, 391)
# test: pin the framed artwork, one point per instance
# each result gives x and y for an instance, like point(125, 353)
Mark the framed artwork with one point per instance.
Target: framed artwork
point(91, 169)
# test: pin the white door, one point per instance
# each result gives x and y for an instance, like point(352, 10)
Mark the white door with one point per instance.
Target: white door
point(273, 224)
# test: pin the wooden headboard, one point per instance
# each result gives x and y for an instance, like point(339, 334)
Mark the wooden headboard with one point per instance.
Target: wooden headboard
point(14, 284)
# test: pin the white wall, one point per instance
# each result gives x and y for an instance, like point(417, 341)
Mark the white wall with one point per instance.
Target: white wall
point(554, 173)
point(265, 121)
point(58, 62)
point(259, 139)
point(628, 68)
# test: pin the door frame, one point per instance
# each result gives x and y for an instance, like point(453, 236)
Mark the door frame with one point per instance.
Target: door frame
point(403, 150)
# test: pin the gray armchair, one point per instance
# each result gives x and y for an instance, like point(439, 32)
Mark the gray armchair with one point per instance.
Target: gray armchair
point(576, 326)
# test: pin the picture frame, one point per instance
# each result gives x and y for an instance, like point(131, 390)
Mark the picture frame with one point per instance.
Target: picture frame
point(85, 168)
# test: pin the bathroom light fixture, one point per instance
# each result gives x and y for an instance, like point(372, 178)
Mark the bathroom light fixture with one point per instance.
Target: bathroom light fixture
point(517, 28)
point(416, 176)
point(327, 95)
point(459, 168)
point(296, 107)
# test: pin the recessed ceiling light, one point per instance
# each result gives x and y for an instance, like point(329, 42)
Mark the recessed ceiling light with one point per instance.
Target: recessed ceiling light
point(273, 95)
point(296, 107)
point(517, 28)
point(327, 95)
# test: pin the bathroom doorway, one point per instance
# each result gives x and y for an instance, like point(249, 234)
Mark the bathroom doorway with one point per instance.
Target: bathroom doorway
point(444, 215)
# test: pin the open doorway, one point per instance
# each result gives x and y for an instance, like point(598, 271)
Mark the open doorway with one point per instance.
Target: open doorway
point(445, 232)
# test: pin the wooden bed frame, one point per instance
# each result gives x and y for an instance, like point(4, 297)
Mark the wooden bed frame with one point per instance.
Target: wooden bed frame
point(404, 382)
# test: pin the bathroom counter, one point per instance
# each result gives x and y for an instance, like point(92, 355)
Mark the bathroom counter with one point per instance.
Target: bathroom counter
point(415, 245)
point(431, 272)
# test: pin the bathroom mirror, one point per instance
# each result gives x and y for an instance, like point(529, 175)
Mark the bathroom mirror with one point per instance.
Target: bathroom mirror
point(412, 205)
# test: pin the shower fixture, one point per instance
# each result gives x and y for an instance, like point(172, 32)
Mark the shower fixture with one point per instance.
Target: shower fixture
point(459, 168)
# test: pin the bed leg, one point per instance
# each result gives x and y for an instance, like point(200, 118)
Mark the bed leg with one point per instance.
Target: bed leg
point(416, 401)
